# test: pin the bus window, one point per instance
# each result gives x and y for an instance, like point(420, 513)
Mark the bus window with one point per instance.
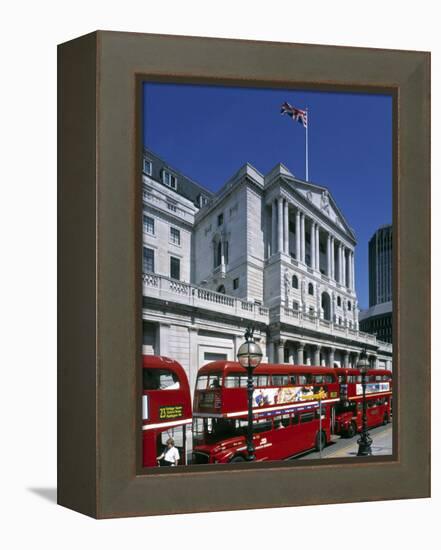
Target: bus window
point(318, 378)
point(341, 379)
point(232, 381)
point(293, 380)
point(304, 379)
point(262, 425)
point(285, 420)
point(261, 381)
point(159, 379)
point(279, 380)
point(215, 380)
point(278, 422)
point(329, 378)
point(306, 417)
point(201, 383)
point(295, 419)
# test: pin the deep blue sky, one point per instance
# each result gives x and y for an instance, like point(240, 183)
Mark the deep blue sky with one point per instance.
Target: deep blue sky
point(209, 132)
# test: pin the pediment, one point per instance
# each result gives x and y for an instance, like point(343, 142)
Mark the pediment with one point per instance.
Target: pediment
point(323, 201)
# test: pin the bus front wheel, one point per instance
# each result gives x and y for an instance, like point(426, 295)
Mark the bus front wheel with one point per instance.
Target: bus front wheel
point(320, 441)
point(237, 459)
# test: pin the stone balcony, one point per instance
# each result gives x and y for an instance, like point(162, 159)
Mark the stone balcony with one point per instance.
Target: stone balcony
point(312, 322)
point(164, 288)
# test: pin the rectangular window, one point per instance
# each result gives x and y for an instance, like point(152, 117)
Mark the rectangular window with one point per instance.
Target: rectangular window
point(279, 380)
point(175, 268)
point(175, 235)
point(213, 356)
point(261, 381)
point(169, 179)
point(201, 382)
point(171, 205)
point(220, 219)
point(236, 283)
point(148, 224)
point(306, 417)
point(148, 260)
point(147, 167)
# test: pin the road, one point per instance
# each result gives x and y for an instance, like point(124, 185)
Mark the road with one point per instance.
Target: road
point(341, 447)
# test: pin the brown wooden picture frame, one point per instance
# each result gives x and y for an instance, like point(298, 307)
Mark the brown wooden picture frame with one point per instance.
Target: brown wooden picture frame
point(99, 471)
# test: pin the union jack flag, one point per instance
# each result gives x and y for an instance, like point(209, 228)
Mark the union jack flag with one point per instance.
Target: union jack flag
point(296, 114)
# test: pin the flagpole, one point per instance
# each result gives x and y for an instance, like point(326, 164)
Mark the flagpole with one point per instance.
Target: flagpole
point(306, 146)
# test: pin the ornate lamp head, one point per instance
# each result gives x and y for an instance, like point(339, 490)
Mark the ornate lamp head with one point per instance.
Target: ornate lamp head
point(249, 354)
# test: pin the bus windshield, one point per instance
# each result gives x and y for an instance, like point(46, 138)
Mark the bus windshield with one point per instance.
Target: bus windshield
point(159, 379)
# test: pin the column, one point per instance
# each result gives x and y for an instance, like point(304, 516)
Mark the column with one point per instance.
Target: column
point(340, 262)
point(286, 228)
point(331, 357)
point(352, 270)
point(302, 236)
point(332, 258)
point(317, 246)
point(298, 234)
point(300, 353)
point(313, 239)
point(280, 225)
point(328, 256)
point(281, 351)
point(317, 355)
point(343, 253)
point(273, 227)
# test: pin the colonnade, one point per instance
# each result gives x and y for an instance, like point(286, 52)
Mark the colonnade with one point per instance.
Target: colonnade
point(301, 353)
point(339, 259)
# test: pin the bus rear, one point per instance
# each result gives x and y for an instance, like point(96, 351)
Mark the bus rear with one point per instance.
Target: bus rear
point(378, 400)
point(166, 408)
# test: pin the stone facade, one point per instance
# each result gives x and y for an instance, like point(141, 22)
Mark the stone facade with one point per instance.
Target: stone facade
point(268, 250)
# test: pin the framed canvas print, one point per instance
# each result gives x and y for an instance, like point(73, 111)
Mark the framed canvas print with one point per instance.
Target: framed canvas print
point(244, 274)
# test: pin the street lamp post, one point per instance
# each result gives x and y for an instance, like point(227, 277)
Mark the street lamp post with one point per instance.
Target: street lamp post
point(364, 441)
point(249, 356)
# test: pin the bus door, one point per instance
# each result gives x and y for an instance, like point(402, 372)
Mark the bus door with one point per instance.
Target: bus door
point(178, 433)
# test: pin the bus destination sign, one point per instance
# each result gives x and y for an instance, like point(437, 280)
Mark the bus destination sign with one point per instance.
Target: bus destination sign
point(170, 412)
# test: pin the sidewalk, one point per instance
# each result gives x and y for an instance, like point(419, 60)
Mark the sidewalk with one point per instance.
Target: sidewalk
point(339, 448)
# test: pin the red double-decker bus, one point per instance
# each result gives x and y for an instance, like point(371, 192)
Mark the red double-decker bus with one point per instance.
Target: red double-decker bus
point(287, 400)
point(349, 411)
point(166, 408)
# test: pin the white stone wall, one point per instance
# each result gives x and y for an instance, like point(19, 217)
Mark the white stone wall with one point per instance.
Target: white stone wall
point(255, 252)
point(163, 248)
point(207, 232)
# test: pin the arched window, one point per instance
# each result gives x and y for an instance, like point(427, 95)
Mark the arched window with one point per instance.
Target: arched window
point(311, 289)
point(295, 306)
point(349, 305)
point(338, 301)
point(326, 306)
point(221, 289)
point(295, 281)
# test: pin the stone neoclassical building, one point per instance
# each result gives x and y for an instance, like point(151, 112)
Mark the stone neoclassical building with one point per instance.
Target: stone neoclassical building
point(269, 250)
